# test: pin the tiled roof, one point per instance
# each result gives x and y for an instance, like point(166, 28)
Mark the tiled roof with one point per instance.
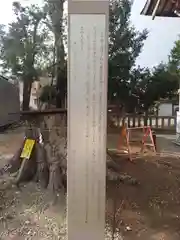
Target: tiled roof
point(164, 8)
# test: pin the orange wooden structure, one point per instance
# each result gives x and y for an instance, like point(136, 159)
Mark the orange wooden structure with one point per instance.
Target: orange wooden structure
point(143, 139)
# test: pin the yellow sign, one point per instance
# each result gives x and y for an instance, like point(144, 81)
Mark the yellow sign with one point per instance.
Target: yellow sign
point(28, 147)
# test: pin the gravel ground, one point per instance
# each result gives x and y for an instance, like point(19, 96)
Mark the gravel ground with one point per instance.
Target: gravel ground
point(29, 214)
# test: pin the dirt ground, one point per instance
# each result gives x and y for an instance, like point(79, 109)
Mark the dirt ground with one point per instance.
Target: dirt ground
point(147, 211)
point(151, 209)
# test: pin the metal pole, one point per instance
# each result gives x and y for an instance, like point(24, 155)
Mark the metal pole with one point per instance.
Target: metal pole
point(87, 116)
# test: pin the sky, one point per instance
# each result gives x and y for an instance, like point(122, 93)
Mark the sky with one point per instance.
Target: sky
point(162, 31)
point(162, 34)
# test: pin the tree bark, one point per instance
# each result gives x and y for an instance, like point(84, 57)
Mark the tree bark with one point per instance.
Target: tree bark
point(146, 118)
point(27, 85)
point(48, 163)
point(56, 10)
point(54, 132)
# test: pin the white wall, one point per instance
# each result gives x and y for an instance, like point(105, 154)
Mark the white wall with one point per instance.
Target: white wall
point(175, 109)
point(165, 109)
point(43, 81)
point(32, 102)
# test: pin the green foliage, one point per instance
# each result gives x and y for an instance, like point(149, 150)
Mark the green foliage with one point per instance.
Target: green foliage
point(24, 45)
point(148, 87)
point(136, 89)
point(56, 23)
point(48, 94)
point(125, 45)
point(25, 48)
point(34, 43)
point(174, 59)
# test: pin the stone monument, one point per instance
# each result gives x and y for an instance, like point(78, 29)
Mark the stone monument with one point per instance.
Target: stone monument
point(87, 116)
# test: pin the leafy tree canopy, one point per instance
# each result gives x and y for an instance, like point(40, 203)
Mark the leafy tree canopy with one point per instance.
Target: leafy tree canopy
point(174, 58)
point(125, 45)
point(150, 86)
point(24, 45)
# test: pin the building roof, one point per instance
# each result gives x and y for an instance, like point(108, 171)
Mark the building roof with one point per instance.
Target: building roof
point(173, 101)
point(163, 8)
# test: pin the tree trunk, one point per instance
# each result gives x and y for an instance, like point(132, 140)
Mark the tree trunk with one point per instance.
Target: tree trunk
point(61, 78)
point(27, 85)
point(54, 132)
point(146, 118)
point(48, 162)
point(56, 9)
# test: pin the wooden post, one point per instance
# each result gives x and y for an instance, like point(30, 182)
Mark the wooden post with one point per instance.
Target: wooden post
point(87, 117)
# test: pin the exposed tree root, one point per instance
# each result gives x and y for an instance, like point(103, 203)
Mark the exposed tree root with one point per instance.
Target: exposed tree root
point(42, 173)
point(51, 176)
point(48, 162)
point(124, 178)
point(113, 172)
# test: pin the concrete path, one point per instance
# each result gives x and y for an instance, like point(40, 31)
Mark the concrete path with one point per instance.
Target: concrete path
point(165, 144)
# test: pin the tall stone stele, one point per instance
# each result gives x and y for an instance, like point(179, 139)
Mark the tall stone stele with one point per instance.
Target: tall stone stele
point(87, 117)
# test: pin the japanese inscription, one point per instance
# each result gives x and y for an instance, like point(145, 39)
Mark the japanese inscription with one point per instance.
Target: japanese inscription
point(87, 124)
